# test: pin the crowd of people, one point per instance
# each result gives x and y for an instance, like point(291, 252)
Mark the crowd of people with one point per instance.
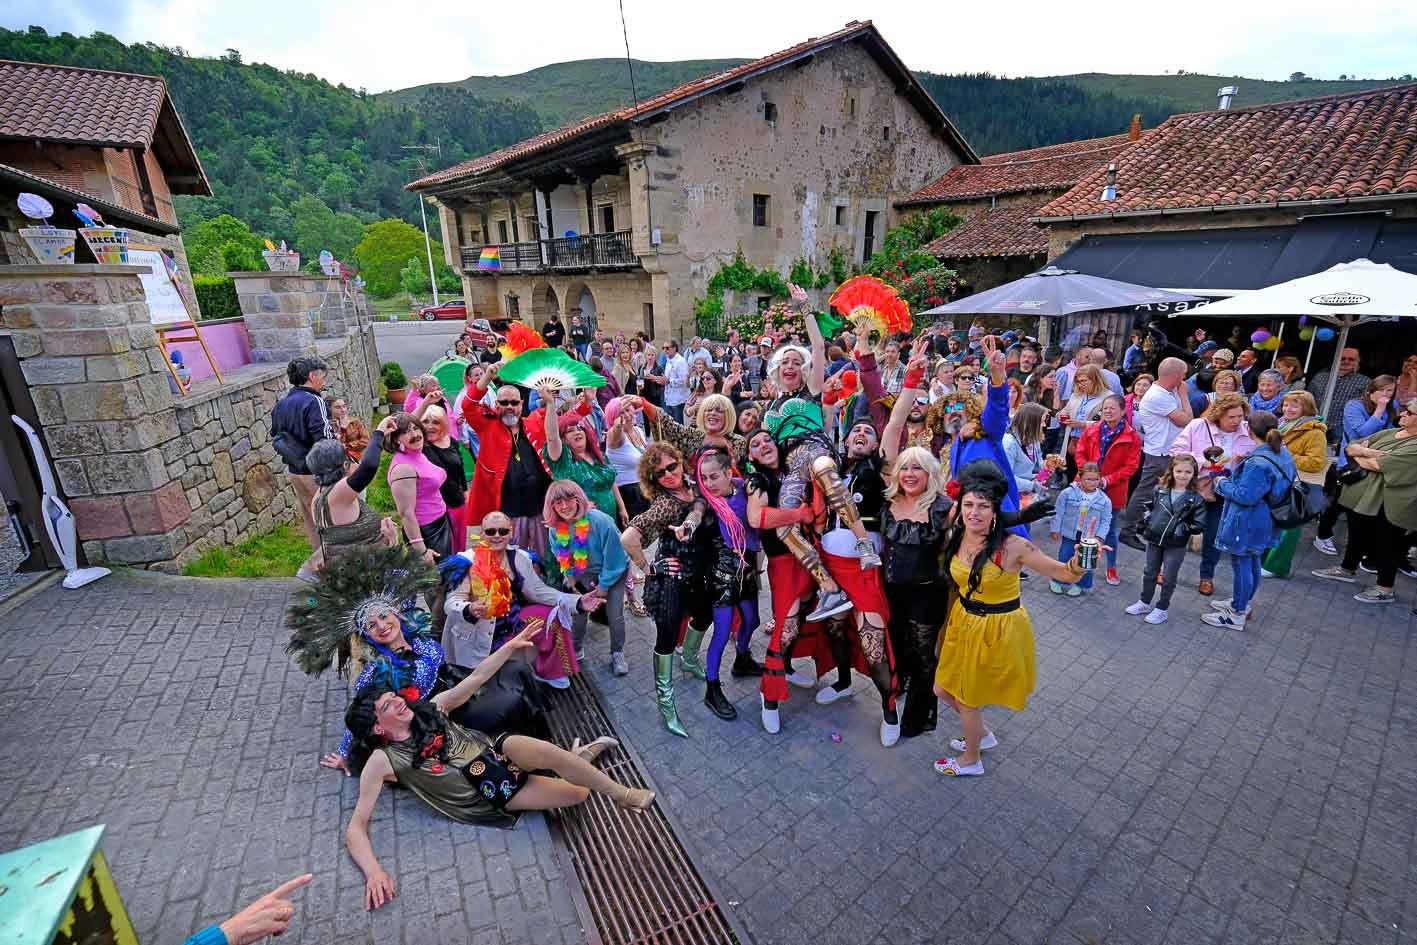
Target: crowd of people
point(879, 490)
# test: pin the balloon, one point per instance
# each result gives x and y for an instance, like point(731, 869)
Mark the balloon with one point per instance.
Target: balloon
point(1260, 337)
point(1274, 343)
point(1305, 334)
point(1324, 334)
point(1303, 319)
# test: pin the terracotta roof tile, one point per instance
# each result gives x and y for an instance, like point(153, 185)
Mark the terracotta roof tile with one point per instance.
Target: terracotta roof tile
point(1360, 144)
point(1002, 231)
point(669, 98)
point(1048, 168)
point(89, 106)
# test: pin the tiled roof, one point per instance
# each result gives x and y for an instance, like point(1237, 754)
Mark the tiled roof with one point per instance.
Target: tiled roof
point(1002, 231)
point(80, 106)
point(112, 212)
point(1053, 167)
point(685, 93)
point(1360, 144)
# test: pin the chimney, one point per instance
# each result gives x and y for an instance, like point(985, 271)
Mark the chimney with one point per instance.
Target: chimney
point(1109, 192)
point(1227, 95)
point(1134, 132)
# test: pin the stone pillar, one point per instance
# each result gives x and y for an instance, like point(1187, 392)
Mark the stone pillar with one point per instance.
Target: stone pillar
point(281, 311)
point(89, 354)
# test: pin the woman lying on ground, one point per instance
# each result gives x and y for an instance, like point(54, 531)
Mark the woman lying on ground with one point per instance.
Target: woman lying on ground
point(460, 772)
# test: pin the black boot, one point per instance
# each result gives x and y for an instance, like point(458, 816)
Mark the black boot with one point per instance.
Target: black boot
point(718, 703)
point(744, 665)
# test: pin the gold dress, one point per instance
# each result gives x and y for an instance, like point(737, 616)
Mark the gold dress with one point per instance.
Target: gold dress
point(986, 659)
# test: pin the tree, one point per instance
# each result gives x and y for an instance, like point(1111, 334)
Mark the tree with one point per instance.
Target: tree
point(223, 244)
point(385, 250)
point(413, 277)
point(1298, 77)
point(317, 228)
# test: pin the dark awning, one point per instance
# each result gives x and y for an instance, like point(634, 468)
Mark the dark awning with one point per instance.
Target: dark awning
point(1245, 257)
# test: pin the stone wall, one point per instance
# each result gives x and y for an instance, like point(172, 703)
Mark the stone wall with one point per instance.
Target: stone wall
point(153, 478)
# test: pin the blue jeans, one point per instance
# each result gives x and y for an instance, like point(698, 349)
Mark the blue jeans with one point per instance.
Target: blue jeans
point(1065, 554)
point(1210, 555)
point(1110, 539)
point(1245, 574)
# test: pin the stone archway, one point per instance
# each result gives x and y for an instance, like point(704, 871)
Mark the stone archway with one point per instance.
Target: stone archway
point(580, 300)
point(543, 303)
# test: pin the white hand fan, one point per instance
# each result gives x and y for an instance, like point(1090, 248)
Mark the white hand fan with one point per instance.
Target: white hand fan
point(549, 366)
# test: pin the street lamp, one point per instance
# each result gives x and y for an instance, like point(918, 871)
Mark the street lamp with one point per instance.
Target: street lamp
point(423, 213)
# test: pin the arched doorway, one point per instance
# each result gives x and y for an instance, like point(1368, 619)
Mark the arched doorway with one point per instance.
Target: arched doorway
point(579, 296)
point(543, 303)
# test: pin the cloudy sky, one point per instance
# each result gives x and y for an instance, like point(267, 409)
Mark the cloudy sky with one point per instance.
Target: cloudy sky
point(378, 45)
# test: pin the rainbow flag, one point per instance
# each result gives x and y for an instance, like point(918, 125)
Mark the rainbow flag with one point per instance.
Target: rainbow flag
point(491, 258)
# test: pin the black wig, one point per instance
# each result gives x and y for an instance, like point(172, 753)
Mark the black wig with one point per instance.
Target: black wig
point(982, 478)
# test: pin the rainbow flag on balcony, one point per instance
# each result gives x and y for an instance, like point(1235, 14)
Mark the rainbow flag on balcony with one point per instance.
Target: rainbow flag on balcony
point(491, 258)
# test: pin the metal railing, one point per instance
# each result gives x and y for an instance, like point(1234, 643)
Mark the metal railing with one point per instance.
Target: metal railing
point(565, 254)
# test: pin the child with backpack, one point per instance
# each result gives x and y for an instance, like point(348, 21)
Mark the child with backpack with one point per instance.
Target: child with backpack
point(1170, 516)
point(1262, 481)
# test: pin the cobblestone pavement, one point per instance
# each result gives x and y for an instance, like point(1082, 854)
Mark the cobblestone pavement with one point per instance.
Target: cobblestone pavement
point(1166, 784)
point(165, 708)
point(1172, 783)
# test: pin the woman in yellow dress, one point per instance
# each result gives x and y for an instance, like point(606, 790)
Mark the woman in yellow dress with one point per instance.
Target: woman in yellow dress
point(986, 647)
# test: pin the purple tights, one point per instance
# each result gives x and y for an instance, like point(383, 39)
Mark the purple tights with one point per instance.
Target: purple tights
point(723, 626)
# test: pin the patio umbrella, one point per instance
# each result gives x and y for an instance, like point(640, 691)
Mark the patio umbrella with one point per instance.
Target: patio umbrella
point(1346, 295)
point(1056, 292)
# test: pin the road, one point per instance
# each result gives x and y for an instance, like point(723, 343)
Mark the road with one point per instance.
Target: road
point(414, 345)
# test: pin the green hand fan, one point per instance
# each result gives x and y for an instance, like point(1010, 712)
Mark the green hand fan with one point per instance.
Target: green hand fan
point(449, 373)
point(549, 366)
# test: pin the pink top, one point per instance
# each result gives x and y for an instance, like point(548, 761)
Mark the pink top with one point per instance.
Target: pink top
point(411, 400)
point(428, 506)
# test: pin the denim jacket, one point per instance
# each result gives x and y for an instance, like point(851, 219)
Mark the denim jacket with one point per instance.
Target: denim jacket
point(1072, 502)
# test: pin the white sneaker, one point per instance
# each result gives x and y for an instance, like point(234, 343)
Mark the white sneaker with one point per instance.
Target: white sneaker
point(802, 679)
point(1156, 616)
point(1136, 609)
point(890, 734)
point(560, 682)
point(1222, 605)
point(1266, 574)
point(952, 767)
point(772, 720)
point(829, 694)
point(1325, 545)
point(1229, 620)
point(307, 575)
point(987, 742)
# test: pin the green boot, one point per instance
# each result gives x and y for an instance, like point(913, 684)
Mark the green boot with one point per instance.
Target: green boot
point(690, 660)
point(664, 692)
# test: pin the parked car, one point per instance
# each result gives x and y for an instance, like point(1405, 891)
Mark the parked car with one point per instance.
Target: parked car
point(451, 309)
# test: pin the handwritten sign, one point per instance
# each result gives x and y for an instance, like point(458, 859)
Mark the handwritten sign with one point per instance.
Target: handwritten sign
point(165, 303)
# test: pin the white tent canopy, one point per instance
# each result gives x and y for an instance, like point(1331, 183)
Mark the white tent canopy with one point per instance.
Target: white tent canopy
point(1346, 295)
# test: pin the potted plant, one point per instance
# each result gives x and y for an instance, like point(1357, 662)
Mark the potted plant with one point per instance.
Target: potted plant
point(395, 382)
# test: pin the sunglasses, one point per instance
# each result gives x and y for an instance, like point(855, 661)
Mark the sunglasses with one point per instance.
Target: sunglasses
point(496, 532)
point(665, 470)
point(509, 403)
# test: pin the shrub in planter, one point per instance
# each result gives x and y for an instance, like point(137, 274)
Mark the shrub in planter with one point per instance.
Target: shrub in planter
point(396, 382)
point(216, 296)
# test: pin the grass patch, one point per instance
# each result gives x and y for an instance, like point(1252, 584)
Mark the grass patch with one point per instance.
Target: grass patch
point(400, 305)
point(278, 553)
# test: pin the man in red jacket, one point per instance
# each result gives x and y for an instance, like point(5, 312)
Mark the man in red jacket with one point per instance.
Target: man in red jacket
point(510, 476)
point(1115, 447)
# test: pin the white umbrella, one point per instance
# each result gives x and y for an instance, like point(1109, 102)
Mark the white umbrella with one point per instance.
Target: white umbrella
point(1349, 294)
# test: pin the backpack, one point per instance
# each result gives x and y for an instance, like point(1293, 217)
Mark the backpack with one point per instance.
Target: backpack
point(1302, 502)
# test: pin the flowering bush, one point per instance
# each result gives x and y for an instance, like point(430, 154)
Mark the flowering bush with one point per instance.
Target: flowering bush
point(924, 288)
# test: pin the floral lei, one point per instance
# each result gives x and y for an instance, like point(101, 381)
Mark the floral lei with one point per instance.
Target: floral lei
point(571, 543)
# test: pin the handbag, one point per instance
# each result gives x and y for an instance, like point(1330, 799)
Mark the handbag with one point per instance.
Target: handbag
point(1302, 502)
point(1351, 475)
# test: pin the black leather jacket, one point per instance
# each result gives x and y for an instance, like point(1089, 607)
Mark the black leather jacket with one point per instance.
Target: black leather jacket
point(1169, 523)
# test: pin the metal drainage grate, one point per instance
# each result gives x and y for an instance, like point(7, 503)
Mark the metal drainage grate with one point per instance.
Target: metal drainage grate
point(640, 885)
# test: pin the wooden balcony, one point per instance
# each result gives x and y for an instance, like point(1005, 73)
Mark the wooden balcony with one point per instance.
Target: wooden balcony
point(592, 252)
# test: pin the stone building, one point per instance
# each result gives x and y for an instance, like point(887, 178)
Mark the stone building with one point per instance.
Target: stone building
point(112, 140)
point(625, 216)
point(154, 477)
point(1223, 201)
point(997, 199)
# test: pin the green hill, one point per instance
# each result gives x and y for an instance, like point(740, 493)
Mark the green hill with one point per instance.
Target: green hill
point(567, 91)
point(1190, 92)
point(271, 139)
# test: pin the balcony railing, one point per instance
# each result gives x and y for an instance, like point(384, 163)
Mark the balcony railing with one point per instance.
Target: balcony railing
point(565, 254)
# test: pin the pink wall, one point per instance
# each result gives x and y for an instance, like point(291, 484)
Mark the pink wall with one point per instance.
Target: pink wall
point(228, 344)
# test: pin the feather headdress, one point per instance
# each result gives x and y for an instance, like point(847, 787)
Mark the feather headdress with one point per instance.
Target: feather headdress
point(866, 298)
point(324, 616)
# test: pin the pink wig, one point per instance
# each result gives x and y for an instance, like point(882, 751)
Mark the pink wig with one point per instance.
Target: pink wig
point(562, 489)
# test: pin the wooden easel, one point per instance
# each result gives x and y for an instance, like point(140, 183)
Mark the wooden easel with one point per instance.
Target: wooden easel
point(171, 331)
point(166, 333)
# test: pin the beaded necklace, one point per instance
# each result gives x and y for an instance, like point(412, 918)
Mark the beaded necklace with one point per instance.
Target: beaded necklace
point(571, 543)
